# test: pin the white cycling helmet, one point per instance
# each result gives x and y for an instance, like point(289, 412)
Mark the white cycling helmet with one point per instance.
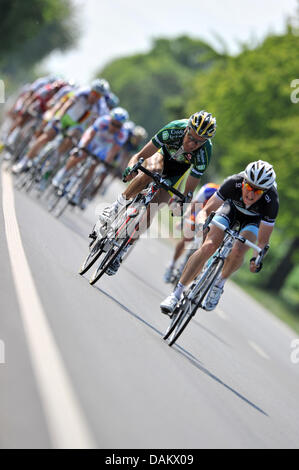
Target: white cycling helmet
point(119, 114)
point(140, 133)
point(260, 174)
point(100, 85)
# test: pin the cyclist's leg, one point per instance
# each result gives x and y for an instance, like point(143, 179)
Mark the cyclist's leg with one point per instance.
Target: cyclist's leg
point(232, 263)
point(154, 164)
point(193, 267)
point(42, 140)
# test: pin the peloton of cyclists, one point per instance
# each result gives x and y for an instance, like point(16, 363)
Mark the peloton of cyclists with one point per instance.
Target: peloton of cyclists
point(103, 139)
point(84, 106)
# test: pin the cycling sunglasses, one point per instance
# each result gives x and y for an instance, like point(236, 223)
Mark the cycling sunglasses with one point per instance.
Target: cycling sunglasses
point(255, 190)
point(199, 140)
point(116, 124)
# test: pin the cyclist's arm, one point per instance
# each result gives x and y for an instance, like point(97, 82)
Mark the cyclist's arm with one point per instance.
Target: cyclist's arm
point(146, 152)
point(265, 231)
point(65, 107)
point(54, 109)
point(29, 101)
point(112, 153)
point(191, 184)
point(212, 205)
point(87, 137)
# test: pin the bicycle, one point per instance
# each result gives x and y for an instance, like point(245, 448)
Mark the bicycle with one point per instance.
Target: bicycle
point(60, 198)
point(19, 140)
point(46, 163)
point(124, 228)
point(192, 247)
point(195, 297)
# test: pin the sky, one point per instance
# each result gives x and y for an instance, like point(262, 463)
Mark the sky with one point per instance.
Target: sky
point(115, 28)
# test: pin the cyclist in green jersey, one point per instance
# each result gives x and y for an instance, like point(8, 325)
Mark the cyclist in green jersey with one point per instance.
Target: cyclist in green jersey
point(177, 147)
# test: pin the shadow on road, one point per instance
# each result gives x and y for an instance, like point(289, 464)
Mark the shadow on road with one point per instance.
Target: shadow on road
point(178, 349)
point(145, 282)
point(197, 323)
point(126, 309)
point(197, 364)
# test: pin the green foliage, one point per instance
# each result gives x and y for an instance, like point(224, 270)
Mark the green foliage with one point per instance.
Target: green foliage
point(31, 30)
point(151, 85)
point(250, 96)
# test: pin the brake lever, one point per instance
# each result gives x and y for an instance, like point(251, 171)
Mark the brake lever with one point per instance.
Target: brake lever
point(135, 168)
point(261, 255)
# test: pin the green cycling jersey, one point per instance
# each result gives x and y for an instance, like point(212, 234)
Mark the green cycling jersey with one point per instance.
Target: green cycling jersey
point(170, 140)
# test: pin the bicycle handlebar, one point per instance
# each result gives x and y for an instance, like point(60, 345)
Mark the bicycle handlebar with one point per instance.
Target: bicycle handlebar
point(159, 181)
point(261, 251)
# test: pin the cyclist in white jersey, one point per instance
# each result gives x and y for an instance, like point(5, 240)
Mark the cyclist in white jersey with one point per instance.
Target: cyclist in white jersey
point(77, 113)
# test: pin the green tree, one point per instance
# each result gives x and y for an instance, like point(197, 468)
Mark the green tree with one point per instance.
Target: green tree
point(151, 86)
point(31, 30)
point(250, 96)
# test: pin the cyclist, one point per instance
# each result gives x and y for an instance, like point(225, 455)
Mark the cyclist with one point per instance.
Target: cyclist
point(199, 201)
point(250, 199)
point(85, 105)
point(172, 151)
point(104, 139)
point(137, 135)
point(56, 103)
point(112, 100)
point(37, 102)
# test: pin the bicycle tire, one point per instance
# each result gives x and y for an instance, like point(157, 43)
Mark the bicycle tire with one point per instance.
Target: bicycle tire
point(207, 284)
point(61, 206)
point(53, 199)
point(21, 181)
point(175, 318)
point(96, 250)
point(107, 261)
point(30, 181)
point(184, 320)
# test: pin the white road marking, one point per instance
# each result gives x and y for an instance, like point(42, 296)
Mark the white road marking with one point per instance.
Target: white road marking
point(258, 349)
point(65, 420)
point(221, 313)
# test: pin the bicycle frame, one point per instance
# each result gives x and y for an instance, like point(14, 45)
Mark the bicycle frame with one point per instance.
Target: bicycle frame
point(123, 230)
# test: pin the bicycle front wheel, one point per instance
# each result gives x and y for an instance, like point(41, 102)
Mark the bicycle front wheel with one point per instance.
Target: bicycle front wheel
point(176, 316)
point(107, 261)
point(95, 252)
point(183, 321)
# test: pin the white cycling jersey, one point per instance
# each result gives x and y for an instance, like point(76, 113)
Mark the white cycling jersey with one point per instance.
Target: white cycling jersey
point(81, 106)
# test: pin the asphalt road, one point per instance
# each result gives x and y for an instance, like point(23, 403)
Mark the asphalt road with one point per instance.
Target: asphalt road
point(85, 366)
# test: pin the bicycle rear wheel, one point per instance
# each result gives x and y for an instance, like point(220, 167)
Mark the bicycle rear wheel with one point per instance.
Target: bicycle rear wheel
point(200, 290)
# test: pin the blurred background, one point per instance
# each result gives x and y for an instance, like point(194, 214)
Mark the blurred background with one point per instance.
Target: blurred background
point(166, 60)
